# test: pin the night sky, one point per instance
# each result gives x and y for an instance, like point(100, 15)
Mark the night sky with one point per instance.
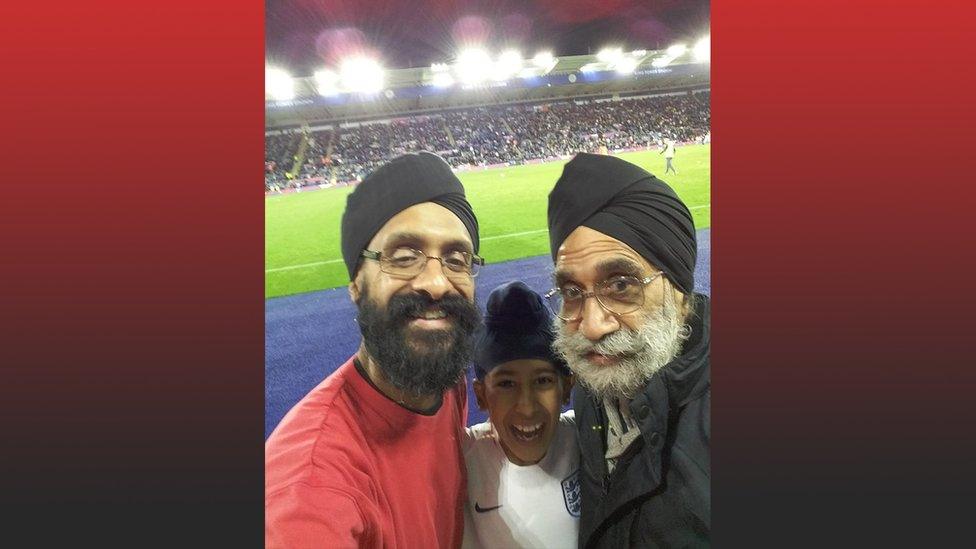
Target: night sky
point(303, 35)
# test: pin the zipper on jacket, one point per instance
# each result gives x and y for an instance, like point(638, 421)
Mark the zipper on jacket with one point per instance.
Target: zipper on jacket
point(624, 459)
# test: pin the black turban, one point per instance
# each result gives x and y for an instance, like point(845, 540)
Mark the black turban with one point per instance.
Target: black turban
point(405, 181)
point(625, 202)
point(518, 325)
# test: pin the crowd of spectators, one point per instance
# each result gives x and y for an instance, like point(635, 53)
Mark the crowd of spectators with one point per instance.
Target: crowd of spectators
point(279, 150)
point(486, 136)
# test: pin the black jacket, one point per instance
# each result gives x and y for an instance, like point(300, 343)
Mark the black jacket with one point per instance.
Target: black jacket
point(659, 493)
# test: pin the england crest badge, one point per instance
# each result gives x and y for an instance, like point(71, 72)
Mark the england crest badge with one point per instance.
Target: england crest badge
point(571, 493)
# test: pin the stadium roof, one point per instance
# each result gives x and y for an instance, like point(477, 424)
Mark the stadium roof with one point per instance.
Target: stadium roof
point(442, 87)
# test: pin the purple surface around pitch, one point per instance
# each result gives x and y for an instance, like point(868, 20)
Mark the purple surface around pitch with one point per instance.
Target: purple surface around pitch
point(308, 336)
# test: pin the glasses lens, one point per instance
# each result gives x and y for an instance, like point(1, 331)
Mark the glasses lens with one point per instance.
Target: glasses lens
point(457, 262)
point(621, 294)
point(403, 262)
point(565, 303)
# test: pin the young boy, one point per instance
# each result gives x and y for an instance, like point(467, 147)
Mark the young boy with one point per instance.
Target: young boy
point(523, 464)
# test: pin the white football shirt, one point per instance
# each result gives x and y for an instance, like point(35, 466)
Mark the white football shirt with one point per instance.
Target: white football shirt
point(510, 505)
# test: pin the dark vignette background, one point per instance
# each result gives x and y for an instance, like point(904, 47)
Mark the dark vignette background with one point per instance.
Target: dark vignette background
point(132, 310)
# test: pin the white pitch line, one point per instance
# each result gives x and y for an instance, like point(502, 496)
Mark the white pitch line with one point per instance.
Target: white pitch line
point(303, 265)
point(496, 237)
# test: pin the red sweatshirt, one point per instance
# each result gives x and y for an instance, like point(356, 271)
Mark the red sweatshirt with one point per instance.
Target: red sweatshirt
point(348, 467)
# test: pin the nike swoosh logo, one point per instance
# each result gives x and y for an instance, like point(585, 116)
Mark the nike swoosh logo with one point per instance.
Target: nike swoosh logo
point(481, 509)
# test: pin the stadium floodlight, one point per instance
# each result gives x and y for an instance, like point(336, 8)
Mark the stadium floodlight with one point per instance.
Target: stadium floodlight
point(508, 65)
point(703, 49)
point(439, 67)
point(626, 65)
point(543, 59)
point(676, 50)
point(442, 80)
point(472, 65)
point(327, 82)
point(639, 53)
point(361, 74)
point(610, 55)
point(511, 60)
point(278, 84)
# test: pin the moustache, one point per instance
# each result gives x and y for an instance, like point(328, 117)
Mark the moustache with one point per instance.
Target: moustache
point(403, 308)
point(621, 344)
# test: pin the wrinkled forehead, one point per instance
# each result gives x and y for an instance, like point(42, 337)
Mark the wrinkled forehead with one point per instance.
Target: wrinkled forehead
point(589, 254)
point(424, 225)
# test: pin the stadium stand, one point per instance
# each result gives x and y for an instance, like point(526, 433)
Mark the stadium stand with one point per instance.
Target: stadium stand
point(278, 150)
point(484, 136)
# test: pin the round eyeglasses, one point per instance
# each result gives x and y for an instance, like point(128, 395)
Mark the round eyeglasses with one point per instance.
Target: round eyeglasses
point(618, 294)
point(406, 262)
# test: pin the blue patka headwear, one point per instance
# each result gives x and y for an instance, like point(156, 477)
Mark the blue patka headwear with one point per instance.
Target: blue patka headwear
point(518, 325)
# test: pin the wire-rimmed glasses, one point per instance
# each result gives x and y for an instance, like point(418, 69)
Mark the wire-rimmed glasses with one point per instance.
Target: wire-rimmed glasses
point(620, 295)
point(407, 262)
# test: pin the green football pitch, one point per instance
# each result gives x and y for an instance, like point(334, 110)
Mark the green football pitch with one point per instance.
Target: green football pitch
point(301, 234)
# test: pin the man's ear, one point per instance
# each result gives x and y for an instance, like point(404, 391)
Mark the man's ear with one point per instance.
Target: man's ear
point(479, 394)
point(687, 306)
point(354, 292)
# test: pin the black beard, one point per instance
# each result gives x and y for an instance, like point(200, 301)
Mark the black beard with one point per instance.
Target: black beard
point(423, 362)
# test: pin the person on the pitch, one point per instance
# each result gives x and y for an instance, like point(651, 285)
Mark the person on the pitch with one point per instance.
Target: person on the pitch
point(637, 338)
point(668, 150)
point(523, 464)
point(372, 456)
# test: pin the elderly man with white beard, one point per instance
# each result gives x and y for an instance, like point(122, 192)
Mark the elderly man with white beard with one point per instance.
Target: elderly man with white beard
point(636, 335)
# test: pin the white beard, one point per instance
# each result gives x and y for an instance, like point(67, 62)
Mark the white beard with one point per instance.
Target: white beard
point(642, 352)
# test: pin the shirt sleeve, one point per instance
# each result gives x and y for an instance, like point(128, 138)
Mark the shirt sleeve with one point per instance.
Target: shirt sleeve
point(302, 515)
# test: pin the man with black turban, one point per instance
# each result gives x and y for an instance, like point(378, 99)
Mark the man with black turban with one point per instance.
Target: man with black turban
point(371, 457)
point(637, 338)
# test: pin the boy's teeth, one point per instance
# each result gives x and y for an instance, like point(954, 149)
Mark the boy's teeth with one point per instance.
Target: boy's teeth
point(527, 433)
